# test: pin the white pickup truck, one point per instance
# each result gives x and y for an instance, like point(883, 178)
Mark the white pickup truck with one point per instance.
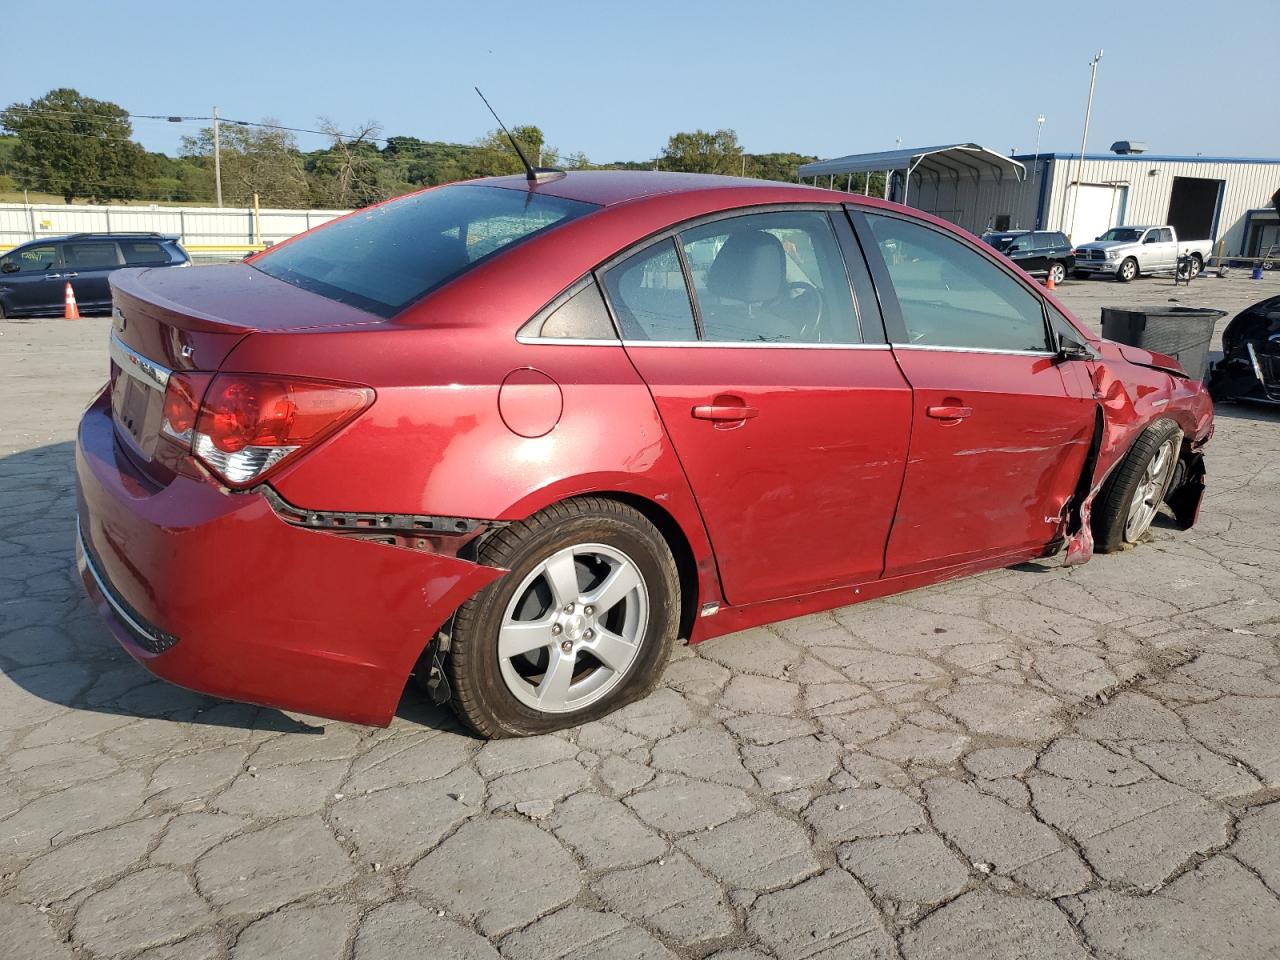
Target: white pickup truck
point(1128, 252)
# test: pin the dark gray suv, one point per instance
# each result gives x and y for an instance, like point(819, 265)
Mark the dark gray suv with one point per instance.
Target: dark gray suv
point(1042, 253)
point(33, 276)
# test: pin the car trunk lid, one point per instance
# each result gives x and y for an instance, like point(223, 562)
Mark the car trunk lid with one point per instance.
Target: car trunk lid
point(167, 322)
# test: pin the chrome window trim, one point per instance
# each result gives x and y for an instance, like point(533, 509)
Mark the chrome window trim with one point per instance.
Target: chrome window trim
point(136, 365)
point(743, 344)
point(940, 349)
point(567, 342)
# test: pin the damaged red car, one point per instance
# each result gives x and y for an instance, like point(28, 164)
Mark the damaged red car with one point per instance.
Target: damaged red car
point(517, 436)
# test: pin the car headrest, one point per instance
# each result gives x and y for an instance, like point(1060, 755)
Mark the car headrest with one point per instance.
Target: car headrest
point(751, 267)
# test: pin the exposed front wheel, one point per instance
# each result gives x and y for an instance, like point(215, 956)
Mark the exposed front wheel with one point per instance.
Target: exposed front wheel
point(581, 625)
point(1128, 270)
point(1057, 273)
point(1131, 498)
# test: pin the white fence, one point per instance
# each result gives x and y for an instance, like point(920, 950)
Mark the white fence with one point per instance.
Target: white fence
point(207, 232)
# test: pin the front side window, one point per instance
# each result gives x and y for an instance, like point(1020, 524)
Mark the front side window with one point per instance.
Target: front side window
point(951, 296)
point(30, 259)
point(91, 256)
point(771, 278)
point(384, 258)
point(649, 295)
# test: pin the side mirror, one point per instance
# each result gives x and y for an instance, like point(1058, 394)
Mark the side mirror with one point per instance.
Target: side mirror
point(9, 267)
point(1071, 349)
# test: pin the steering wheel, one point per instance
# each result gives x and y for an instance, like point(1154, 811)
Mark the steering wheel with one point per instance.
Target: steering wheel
point(810, 297)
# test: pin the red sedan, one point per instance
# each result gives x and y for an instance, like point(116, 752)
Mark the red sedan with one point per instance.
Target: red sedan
point(517, 436)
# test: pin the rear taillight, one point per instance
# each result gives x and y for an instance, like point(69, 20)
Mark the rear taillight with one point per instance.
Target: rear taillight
point(181, 404)
point(248, 424)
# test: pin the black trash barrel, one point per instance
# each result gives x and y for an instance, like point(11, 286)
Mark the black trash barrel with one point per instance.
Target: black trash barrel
point(1181, 332)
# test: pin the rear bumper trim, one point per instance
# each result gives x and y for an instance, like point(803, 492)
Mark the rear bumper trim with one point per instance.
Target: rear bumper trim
point(150, 638)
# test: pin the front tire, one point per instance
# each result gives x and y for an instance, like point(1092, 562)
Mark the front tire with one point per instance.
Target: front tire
point(582, 624)
point(1131, 497)
point(1128, 270)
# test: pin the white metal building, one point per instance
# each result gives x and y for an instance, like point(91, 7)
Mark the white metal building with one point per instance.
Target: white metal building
point(1224, 199)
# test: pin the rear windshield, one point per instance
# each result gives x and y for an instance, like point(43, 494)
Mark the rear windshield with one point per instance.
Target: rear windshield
point(385, 258)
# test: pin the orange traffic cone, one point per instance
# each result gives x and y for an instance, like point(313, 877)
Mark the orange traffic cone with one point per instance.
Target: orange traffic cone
point(70, 311)
point(1048, 282)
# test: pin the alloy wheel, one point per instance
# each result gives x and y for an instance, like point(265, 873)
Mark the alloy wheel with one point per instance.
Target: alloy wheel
point(573, 628)
point(1150, 491)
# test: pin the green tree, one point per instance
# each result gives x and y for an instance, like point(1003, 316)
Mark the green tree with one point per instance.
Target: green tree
point(254, 160)
point(351, 173)
point(74, 146)
point(703, 152)
point(496, 156)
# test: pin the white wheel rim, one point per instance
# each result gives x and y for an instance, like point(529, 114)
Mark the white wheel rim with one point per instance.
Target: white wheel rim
point(1150, 492)
point(573, 628)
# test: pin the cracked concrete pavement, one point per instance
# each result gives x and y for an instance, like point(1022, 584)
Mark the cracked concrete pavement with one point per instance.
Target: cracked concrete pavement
point(1038, 762)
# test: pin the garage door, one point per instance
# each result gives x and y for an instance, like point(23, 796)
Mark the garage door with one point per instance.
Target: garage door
point(1097, 210)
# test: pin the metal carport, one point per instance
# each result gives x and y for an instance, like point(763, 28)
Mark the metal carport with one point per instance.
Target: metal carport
point(952, 161)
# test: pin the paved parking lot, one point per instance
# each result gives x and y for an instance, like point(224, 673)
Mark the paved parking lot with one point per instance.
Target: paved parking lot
point(1035, 763)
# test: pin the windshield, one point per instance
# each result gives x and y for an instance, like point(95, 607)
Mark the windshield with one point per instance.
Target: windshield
point(384, 258)
point(1127, 234)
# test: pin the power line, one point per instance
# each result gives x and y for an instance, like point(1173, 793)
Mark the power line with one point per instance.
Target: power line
point(175, 118)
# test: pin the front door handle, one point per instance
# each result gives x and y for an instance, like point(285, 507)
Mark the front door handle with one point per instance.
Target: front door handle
point(949, 412)
point(724, 412)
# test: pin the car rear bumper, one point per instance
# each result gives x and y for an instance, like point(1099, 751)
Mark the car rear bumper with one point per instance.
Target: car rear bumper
point(217, 593)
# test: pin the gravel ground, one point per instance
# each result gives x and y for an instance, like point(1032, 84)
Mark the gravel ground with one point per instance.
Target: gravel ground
point(1034, 763)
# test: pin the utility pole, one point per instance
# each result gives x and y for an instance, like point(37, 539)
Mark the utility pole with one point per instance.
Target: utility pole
point(217, 160)
point(1084, 140)
point(1035, 162)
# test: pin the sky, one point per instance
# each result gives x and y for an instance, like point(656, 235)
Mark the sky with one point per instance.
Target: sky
point(614, 80)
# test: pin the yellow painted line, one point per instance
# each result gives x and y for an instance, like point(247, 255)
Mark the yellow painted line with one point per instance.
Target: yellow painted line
point(222, 247)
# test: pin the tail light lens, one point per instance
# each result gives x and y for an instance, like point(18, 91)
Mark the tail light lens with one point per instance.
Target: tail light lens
point(248, 424)
point(182, 404)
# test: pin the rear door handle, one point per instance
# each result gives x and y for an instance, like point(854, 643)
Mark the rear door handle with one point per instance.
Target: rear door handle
point(724, 412)
point(70, 276)
point(948, 413)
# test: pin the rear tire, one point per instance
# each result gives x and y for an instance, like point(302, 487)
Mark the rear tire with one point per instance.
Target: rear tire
point(1131, 497)
point(506, 686)
point(1057, 272)
point(1128, 270)
point(1197, 266)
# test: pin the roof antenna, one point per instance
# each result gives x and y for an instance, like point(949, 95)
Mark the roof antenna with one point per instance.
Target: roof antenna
point(532, 174)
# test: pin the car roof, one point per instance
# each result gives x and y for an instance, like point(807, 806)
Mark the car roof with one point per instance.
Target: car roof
point(610, 187)
point(105, 235)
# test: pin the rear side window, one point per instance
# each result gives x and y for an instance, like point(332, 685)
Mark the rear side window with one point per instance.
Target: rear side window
point(771, 278)
point(91, 256)
point(582, 316)
point(952, 296)
point(383, 259)
point(649, 295)
point(139, 253)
